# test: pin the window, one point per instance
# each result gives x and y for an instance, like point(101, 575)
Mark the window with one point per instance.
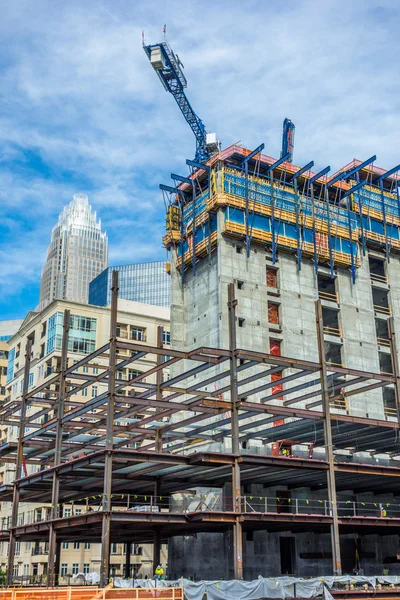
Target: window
point(26, 570)
point(138, 334)
point(75, 568)
point(94, 391)
point(240, 285)
point(84, 392)
point(64, 569)
point(86, 568)
point(241, 322)
point(78, 511)
point(17, 548)
point(85, 369)
point(166, 338)
point(95, 370)
point(132, 374)
point(77, 545)
point(67, 512)
point(15, 570)
point(114, 548)
point(238, 249)
point(34, 569)
point(87, 545)
point(65, 545)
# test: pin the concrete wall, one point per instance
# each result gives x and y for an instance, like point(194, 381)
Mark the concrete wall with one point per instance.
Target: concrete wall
point(200, 317)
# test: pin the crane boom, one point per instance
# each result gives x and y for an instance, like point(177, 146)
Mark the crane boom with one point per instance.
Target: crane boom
point(170, 72)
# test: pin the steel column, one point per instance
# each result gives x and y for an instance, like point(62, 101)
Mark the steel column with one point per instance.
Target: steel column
point(106, 524)
point(52, 579)
point(236, 487)
point(57, 562)
point(395, 364)
point(128, 560)
point(159, 381)
point(335, 538)
point(156, 535)
point(19, 461)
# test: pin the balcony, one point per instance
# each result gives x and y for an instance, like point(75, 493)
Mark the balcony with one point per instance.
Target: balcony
point(39, 551)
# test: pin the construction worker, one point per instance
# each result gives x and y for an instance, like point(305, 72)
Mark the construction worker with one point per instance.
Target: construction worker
point(159, 573)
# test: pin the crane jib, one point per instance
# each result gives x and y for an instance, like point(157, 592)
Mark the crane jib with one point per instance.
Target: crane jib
point(169, 70)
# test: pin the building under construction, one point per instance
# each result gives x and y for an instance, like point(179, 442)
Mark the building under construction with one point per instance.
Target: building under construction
point(265, 439)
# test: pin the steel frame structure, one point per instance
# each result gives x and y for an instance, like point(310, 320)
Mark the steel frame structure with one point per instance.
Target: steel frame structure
point(126, 440)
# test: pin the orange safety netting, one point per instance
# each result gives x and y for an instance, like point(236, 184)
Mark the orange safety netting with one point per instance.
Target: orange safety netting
point(273, 313)
point(271, 278)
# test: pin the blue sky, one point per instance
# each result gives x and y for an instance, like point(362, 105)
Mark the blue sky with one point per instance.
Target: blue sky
point(81, 109)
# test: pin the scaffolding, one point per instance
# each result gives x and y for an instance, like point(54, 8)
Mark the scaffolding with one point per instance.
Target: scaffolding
point(130, 457)
point(274, 203)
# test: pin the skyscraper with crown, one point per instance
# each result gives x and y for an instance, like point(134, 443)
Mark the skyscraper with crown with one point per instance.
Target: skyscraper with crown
point(77, 253)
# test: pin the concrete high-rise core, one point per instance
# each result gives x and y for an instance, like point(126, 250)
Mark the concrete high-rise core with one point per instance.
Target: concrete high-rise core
point(77, 253)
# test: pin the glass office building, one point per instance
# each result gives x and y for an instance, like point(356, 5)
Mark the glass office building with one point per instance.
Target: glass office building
point(142, 282)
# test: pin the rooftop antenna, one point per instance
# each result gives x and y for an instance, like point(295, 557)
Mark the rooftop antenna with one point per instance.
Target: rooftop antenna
point(165, 32)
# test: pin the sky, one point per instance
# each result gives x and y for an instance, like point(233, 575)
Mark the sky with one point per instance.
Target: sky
point(81, 109)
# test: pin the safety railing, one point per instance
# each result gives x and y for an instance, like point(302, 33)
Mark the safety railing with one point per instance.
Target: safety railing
point(328, 296)
point(313, 506)
point(35, 593)
point(336, 331)
point(383, 341)
point(378, 278)
point(382, 309)
point(217, 502)
point(340, 403)
point(390, 411)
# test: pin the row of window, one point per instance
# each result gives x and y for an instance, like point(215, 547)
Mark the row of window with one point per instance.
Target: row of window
point(64, 571)
point(76, 545)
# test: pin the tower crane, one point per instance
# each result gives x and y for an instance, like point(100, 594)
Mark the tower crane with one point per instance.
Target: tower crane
point(170, 72)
